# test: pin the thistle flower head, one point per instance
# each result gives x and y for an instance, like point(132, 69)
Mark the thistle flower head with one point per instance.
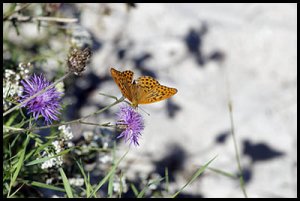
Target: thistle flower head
point(132, 124)
point(45, 104)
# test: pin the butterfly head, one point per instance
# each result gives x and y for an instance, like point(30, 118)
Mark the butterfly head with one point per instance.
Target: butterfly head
point(134, 104)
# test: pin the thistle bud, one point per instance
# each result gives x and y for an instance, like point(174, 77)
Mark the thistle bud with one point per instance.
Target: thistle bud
point(77, 60)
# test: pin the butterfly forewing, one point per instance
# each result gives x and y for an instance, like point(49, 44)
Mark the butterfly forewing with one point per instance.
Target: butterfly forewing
point(124, 81)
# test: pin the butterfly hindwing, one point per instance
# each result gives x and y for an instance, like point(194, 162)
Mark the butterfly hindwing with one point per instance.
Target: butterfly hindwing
point(150, 91)
point(147, 82)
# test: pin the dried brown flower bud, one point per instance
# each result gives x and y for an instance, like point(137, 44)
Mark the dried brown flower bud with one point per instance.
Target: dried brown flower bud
point(77, 60)
point(52, 7)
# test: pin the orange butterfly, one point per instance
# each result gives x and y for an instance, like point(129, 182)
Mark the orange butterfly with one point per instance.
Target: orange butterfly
point(144, 90)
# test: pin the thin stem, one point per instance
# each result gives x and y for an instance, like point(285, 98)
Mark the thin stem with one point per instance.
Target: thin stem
point(113, 97)
point(242, 183)
point(15, 11)
point(38, 93)
point(73, 121)
point(95, 124)
point(22, 18)
point(56, 19)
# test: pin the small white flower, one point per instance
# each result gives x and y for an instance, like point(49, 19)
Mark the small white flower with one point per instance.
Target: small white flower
point(66, 130)
point(153, 186)
point(76, 181)
point(48, 163)
point(49, 180)
point(84, 149)
point(57, 146)
point(116, 187)
point(70, 144)
point(17, 77)
point(105, 145)
point(105, 159)
point(20, 90)
point(88, 135)
point(8, 73)
point(154, 177)
point(68, 136)
point(117, 184)
point(62, 128)
point(57, 161)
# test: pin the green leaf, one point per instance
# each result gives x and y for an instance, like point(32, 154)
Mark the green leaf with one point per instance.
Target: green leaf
point(15, 140)
point(28, 155)
point(11, 119)
point(40, 148)
point(194, 177)
point(66, 183)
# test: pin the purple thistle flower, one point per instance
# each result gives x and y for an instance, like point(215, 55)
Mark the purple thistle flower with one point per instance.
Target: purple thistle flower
point(132, 123)
point(45, 104)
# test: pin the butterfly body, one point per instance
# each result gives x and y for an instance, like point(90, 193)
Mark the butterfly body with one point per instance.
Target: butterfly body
point(144, 90)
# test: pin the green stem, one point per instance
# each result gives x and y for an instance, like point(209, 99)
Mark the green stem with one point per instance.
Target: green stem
point(22, 18)
point(242, 183)
point(7, 15)
point(73, 121)
point(95, 124)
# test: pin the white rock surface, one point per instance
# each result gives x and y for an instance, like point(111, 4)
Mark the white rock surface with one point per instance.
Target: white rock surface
point(259, 42)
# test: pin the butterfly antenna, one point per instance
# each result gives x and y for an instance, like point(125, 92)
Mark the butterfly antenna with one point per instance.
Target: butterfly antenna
point(144, 111)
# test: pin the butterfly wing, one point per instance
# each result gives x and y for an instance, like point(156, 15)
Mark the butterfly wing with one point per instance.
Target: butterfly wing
point(124, 81)
point(149, 90)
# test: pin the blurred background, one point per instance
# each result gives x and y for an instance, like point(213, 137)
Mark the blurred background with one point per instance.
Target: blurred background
point(211, 53)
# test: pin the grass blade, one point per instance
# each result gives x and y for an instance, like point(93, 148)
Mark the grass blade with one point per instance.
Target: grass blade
point(16, 191)
point(227, 174)
point(103, 181)
point(111, 178)
point(194, 176)
point(42, 185)
point(141, 194)
point(19, 165)
point(110, 184)
point(230, 109)
point(66, 183)
point(135, 191)
point(86, 180)
point(41, 160)
point(167, 179)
